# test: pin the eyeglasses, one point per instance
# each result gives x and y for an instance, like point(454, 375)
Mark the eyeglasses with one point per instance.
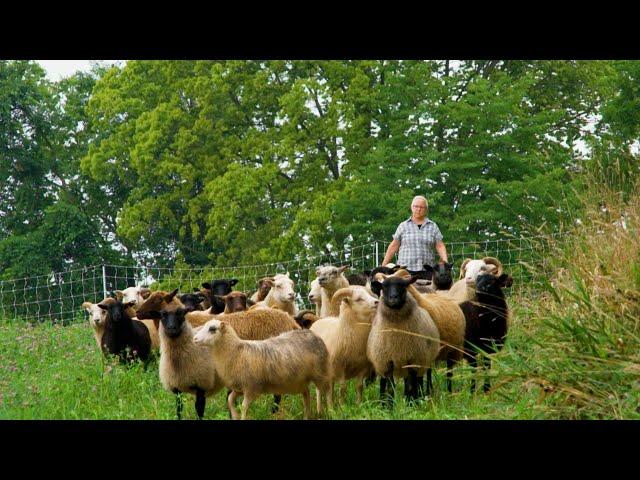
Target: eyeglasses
point(418, 207)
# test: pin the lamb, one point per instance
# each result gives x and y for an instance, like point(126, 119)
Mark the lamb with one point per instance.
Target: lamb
point(404, 340)
point(264, 285)
point(464, 289)
point(133, 294)
point(235, 302)
point(215, 289)
point(331, 279)
point(315, 295)
point(346, 336)
point(486, 320)
point(283, 364)
point(281, 296)
point(98, 319)
point(185, 367)
point(124, 337)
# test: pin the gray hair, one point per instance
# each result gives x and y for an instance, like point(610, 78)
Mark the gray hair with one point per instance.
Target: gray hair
point(421, 198)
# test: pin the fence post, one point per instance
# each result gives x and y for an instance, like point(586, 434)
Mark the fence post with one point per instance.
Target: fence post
point(104, 281)
point(377, 255)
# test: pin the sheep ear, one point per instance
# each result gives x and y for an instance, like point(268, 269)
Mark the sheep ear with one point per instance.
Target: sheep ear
point(343, 268)
point(103, 307)
point(145, 292)
point(223, 326)
point(87, 306)
point(233, 281)
point(207, 285)
point(168, 298)
point(505, 280)
point(119, 295)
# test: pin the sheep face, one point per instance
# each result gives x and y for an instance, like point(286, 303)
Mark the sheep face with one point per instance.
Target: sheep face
point(173, 321)
point(472, 269)
point(97, 316)
point(441, 275)
point(235, 302)
point(283, 288)
point(116, 310)
point(264, 285)
point(209, 332)
point(137, 295)
point(314, 292)
point(219, 288)
point(489, 286)
point(192, 301)
point(362, 303)
point(394, 291)
point(328, 274)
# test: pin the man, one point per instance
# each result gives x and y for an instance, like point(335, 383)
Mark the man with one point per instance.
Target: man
point(416, 238)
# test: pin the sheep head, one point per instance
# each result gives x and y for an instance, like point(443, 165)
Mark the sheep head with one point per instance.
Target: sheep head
point(357, 298)
point(192, 301)
point(283, 290)
point(210, 332)
point(394, 290)
point(173, 321)
point(328, 274)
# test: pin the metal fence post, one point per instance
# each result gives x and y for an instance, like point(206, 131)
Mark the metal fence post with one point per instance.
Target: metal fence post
point(377, 255)
point(104, 280)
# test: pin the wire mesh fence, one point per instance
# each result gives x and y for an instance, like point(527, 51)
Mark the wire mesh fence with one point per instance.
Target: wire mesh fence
point(58, 296)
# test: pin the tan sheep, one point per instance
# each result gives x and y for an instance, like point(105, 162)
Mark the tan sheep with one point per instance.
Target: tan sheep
point(283, 364)
point(404, 340)
point(346, 336)
point(184, 366)
point(331, 279)
point(315, 296)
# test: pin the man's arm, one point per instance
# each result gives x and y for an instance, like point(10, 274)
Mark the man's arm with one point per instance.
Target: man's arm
point(442, 251)
point(393, 248)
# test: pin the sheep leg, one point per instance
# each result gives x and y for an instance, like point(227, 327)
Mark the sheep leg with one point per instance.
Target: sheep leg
point(486, 366)
point(387, 398)
point(411, 385)
point(429, 382)
point(449, 375)
point(421, 387)
point(246, 401)
point(231, 403)
point(178, 403)
point(306, 399)
point(359, 386)
point(200, 403)
point(276, 403)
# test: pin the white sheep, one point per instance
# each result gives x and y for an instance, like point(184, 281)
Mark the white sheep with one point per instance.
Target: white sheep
point(464, 289)
point(283, 364)
point(315, 295)
point(133, 294)
point(281, 295)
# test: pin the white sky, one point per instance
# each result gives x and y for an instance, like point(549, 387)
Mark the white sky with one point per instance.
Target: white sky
point(57, 69)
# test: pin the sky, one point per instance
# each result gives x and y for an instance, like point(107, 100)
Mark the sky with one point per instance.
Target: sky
point(57, 69)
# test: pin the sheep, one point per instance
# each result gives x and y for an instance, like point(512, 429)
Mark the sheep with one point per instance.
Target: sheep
point(98, 319)
point(404, 340)
point(486, 321)
point(133, 294)
point(346, 336)
point(235, 302)
point(281, 296)
point(122, 336)
point(315, 295)
point(185, 367)
point(215, 289)
point(283, 364)
point(256, 324)
point(464, 289)
point(441, 275)
point(264, 285)
point(331, 279)
point(305, 318)
point(193, 301)
point(450, 322)
point(157, 301)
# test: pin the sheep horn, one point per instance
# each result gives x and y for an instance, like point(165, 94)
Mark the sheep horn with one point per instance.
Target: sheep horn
point(463, 267)
point(339, 296)
point(497, 263)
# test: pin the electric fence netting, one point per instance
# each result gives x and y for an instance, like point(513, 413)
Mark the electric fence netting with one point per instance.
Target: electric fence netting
point(58, 296)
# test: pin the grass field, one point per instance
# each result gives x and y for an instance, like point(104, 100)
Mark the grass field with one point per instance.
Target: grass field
point(573, 352)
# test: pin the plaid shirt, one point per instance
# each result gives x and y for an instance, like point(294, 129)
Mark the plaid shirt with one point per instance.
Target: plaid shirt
point(417, 244)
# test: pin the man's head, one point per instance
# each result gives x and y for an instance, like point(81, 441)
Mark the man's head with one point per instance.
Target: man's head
point(419, 207)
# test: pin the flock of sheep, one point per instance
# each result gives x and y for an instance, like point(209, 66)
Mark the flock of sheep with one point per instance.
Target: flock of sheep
point(384, 323)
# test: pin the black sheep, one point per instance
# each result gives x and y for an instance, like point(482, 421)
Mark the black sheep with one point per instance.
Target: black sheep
point(486, 319)
point(441, 274)
point(124, 337)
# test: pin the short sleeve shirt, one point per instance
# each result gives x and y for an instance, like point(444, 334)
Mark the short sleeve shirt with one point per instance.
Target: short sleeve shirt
point(417, 245)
